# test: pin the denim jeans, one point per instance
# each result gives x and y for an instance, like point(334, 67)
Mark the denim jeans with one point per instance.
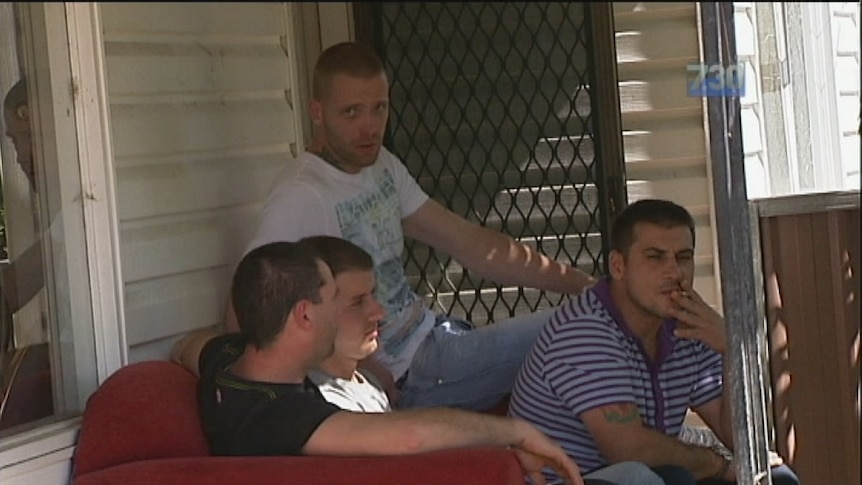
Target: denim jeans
point(626, 473)
point(674, 475)
point(470, 368)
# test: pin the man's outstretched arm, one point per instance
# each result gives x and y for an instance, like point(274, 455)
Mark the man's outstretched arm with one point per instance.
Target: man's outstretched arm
point(431, 429)
point(491, 254)
point(187, 350)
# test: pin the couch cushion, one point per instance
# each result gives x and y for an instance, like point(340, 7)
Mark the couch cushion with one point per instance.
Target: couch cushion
point(143, 411)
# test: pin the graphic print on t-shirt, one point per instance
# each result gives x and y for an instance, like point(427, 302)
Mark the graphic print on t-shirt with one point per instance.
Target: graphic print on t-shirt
point(372, 221)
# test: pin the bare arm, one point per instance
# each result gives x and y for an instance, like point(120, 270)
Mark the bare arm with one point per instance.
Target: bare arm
point(716, 415)
point(187, 350)
point(491, 254)
point(621, 436)
point(431, 429)
point(697, 320)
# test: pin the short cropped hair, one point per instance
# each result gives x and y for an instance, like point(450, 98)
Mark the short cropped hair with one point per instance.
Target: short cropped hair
point(654, 211)
point(17, 96)
point(268, 283)
point(340, 254)
point(350, 58)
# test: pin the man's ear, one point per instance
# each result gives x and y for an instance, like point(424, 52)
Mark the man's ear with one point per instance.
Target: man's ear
point(617, 264)
point(315, 111)
point(299, 314)
point(303, 314)
point(22, 112)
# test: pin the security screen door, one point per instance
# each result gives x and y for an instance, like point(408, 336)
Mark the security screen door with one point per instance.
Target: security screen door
point(493, 112)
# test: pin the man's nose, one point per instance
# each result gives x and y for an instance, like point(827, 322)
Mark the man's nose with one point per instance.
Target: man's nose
point(370, 125)
point(377, 311)
point(673, 269)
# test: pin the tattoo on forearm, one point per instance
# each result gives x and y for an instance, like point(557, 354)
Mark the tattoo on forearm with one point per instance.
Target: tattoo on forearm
point(621, 416)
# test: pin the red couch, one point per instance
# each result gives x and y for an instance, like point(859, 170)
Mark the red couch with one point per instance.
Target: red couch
point(141, 427)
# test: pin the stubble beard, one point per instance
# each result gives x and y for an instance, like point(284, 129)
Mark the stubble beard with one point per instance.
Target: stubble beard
point(644, 307)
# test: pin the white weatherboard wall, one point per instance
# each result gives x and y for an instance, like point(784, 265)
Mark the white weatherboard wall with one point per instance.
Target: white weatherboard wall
point(844, 18)
point(802, 101)
point(751, 106)
point(203, 115)
point(663, 129)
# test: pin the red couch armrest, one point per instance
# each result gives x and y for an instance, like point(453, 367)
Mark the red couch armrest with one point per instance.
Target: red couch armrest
point(143, 411)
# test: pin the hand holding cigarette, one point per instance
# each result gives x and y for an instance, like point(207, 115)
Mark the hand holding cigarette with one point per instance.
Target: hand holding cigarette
point(697, 320)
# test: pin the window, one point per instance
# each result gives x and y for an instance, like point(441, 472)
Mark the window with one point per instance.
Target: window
point(47, 320)
point(53, 47)
point(800, 118)
point(78, 318)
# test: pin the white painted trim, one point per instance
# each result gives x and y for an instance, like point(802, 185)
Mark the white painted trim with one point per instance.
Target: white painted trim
point(295, 96)
point(788, 122)
point(822, 99)
point(19, 453)
point(95, 153)
point(336, 23)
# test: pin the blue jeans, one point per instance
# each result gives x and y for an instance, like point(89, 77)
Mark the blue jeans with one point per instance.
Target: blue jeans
point(626, 473)
point(470, 368)
point(676, 475)
point(622, 473)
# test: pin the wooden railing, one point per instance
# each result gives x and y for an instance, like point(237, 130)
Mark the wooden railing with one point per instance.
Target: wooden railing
point(810, 247)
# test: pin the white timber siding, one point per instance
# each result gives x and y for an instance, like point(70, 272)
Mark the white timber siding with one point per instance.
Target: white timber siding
point(845, 55)
point(666, 154)
point(753, 144)
point(203, 114)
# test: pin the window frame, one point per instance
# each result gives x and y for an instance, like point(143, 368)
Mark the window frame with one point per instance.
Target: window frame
point(76, 62)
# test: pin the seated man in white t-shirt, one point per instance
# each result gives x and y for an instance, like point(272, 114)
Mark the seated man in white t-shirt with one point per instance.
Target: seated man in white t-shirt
point(339, 377)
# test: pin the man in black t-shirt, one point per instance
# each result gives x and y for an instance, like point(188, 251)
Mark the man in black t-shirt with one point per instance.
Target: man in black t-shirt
point(258, 400)
point(244, 417)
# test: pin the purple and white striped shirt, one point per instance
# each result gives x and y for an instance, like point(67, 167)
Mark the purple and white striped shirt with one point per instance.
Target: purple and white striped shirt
point(586, 356)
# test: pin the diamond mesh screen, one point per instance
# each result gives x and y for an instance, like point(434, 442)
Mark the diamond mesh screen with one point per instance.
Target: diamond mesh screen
point(491, 114)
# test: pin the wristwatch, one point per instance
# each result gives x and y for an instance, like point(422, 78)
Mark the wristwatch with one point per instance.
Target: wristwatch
point(726, 457)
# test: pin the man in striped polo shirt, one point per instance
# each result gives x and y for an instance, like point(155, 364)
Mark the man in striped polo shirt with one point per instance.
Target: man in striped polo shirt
point(614, 371)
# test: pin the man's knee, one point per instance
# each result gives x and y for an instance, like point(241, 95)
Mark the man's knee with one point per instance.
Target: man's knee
point(783, 475)
point(675, 475)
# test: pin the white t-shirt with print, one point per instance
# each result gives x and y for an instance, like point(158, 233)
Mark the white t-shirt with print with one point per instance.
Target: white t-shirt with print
point(311, 197)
